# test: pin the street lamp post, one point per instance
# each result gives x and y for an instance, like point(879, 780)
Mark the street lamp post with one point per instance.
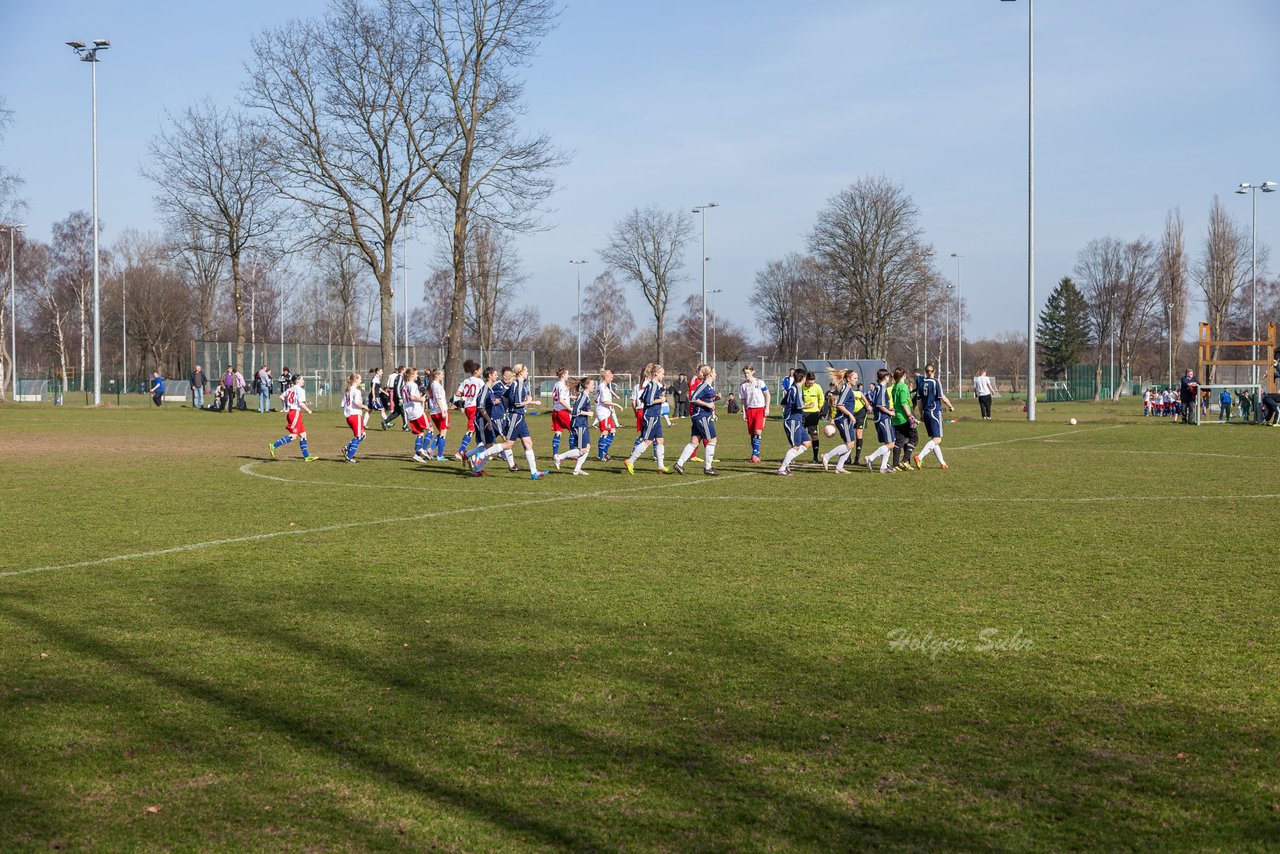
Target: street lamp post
point(702, 210)
point(715, 324)
point(959, 332)
point(1031, 209)
point(90, 55)
point(13, 310)
point(578, 266)
point(1252, 190)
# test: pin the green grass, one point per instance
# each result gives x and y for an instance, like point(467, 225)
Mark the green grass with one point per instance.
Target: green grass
point(639, 663)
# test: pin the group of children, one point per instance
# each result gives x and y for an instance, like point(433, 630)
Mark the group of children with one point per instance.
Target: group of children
point(1165, 403)
point(496, 403)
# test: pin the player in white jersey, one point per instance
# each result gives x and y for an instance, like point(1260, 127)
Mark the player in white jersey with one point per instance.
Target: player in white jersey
point(562, 401)
point(606, 413)
point(469, 390)
point(412, 401)
point(294, 401)
point(438, 405)
point(356, 412)
point(754, 395)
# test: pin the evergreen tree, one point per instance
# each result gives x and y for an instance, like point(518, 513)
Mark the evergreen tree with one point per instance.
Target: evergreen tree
point(1064, 331)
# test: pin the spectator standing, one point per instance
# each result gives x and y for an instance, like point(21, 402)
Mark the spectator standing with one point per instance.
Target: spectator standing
point(732, 405)
point(263, 386)
point(983, 390)
point(681, 394)
point(197, 388)
point(1224, 405)
point(286, 379)
point(240, 386)
point(157, 388)
point(1188, 392)
point(229, 388)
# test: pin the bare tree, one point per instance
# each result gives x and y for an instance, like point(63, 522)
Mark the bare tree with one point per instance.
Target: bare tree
point(11, 209)
point(608, 323)
point(786, 298)
point(1171, 283)
point(72, 262)
point(493, 274)
point(356, 134)
point(871, 259)
point(212, 170)
point(159, 299)
point(1099, 270)
point(12, 204)
point(430, 321)
point(198, 253)
point(489, 169)
point(647, 247)
point(52, 304)
point(1221, 271)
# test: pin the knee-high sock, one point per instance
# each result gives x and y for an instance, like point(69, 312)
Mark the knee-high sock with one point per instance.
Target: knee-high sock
point(508, 456)
point(815, 449)
point(353, 446)
point(937, 450)
point(531, 459)
point(637, 451)
point(466, 440)
point(710, 454)
point(755, 446)
point(573, 440)
point(283, 440)
point(602, 446)
point(555, 443)
point(927, 449)
point(491, 451)
point(583, 453)
point(659, 451)
point(841, 454)
point(688, 451)
point(639, 442)
point(897, 456)
point(882, 451)
point(440, 443)
point(792, 453)
point(857, 451)
point(302, 445)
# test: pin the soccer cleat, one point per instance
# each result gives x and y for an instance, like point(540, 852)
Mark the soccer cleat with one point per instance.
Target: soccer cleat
point(419, 458)
point(272, 448)
point(679, 468)
point(663, 470)
point(711, 472)
point(577, 472)
point(537, 475)
point(870, 466)
point(695, 459)
point(384, 425)
point(841, 470)
point(784, 472)
point(310, 458)
point(915, 460)
point(755, 459)
point(556, 459)
point(631, 469)
point(826, 464)
point(352, 460)
point(944, 466)
point(458, 455)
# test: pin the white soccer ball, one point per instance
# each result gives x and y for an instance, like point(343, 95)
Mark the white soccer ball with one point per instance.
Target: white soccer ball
point(829, 430)
point(1072, 422)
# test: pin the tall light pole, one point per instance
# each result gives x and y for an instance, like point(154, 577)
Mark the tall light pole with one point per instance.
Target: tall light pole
point(946, 340)
point(959, 332)
point(1031, 209)
point(715, 323)
point(578, 266)
point(702, 210)
point(13, 309)
point(90, 55)
point(1252, 190)
point(124, 329)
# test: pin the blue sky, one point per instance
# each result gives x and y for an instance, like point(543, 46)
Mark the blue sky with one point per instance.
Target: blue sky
point(767, 109)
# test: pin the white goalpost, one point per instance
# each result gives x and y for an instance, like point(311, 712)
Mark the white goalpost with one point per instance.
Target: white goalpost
point(1211, 410)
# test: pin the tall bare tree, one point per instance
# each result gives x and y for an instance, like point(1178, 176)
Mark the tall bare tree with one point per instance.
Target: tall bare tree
point(355, 130)
point(647, 246)
point(868, 247)
point(1221, 271)
point(72, 261)
point(489, 168)
point(608, 323)
point(494, 278)
point(53, 303)
point(212, 171)
point(1171, 283)
point(159, 299)
point(1099, 270)
point(785, 298)
point(198, 253)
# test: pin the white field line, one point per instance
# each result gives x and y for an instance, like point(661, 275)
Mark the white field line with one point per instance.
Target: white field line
point(1032, 438)
point(247, 468)
point(342, 526)
point(944, 499)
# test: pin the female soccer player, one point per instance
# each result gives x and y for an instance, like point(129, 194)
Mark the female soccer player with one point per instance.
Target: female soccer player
point(702, 411)
point(814, 401)
point(517, 400)
point(653, 394)
point(605, 415)
point(580, 414)
point(793, 421)
point(439, 406)
point(356, 413)
point(561, 402)
point(294, 399)
point(469, 390)
point(882, 410)
point(376, 403)
point(411, 401)
point(931, 402)
point(842, 411)
point(754, 395)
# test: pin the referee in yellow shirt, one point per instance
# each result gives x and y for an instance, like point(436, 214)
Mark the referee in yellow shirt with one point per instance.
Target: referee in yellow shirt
point(813, 397)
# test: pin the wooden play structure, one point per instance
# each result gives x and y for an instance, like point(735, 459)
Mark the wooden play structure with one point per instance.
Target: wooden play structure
point(1266, 358)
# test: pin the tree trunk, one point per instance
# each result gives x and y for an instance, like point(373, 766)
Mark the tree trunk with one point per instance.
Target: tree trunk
point(386, 301)
point(82, 337)
point(237, 298)
point(659, 317)
point(457, 311)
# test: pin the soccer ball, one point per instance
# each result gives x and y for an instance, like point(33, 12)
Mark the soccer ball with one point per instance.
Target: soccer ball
point(829, 430)
point(1072, 422)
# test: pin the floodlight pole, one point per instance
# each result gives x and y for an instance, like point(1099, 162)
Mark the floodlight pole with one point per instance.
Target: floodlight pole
point(702, 210)
point(959, 332)
point(1031, 210)
point(1252, 190)
point(578, 266)
point(13, 310)
point(124, 329)
point(90, 55)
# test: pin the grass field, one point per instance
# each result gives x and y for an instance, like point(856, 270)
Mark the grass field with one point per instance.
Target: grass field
point(1068, 640)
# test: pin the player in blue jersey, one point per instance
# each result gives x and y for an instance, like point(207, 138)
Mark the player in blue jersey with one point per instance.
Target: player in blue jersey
point(793, 420)
point(846, 405)
point(702, 411)
point(931, 402)
point(882, 410)
point(518, 399)
point(579, 426)
point(653, 394)
point(493, 401)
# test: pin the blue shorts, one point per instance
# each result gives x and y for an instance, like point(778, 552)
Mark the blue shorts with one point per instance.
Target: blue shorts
point(488, 434)
point(844, 428)
point(704, 429)
point(581, 436)
point(884, 431)
point(516, 428)
point(933, 424)
point(797, 435)
point(652, 428)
